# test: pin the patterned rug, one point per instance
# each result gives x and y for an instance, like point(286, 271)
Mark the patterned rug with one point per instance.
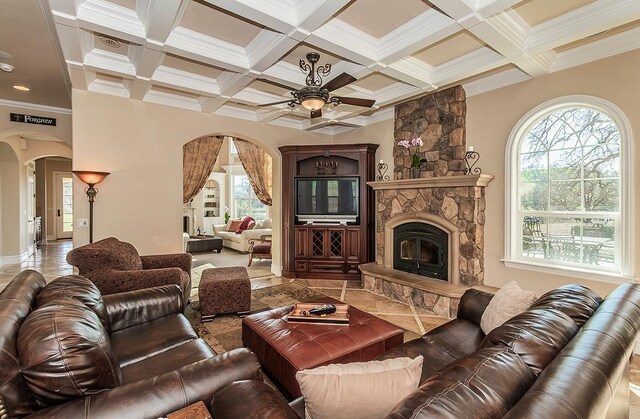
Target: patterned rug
point(225, 331)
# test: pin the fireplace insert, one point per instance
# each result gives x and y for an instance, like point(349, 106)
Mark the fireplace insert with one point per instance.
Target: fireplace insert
point(421, 249)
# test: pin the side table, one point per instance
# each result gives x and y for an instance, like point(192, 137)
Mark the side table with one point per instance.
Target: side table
point(195, 411)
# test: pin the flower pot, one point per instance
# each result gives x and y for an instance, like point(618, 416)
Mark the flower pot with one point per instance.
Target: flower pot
point(415, 172)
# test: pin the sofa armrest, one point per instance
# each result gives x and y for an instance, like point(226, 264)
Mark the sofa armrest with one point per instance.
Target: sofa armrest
point(472, 305)
point(250, 399)
point(256, 233)
point(175, 260)
point(219, 228)
point(158, 396)
point(110, 281)
point(127, 309)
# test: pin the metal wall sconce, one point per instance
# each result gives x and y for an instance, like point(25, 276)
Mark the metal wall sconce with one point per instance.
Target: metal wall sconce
point(91, 179)
point(382, 171)
point(471, 158)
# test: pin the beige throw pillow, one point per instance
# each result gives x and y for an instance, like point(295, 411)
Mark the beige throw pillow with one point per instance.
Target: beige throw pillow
point(366, 390)
point(508, 301)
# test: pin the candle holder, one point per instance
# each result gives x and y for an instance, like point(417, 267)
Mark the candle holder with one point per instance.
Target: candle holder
point(470, 160)
point(382, 172)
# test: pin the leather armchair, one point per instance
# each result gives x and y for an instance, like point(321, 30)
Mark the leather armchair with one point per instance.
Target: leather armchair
point(68, 352)
point(115, 266)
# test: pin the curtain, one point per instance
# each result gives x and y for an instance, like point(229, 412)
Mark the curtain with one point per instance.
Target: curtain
point(198, 158)
point(257, 164)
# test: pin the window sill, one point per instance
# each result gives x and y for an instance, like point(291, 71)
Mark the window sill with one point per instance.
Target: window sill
point(610, 277)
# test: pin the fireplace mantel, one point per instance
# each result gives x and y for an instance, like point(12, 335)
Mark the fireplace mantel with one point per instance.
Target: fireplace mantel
point(481, 180)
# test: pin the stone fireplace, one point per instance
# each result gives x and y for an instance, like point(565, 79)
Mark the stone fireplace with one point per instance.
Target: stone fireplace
point(429, 230)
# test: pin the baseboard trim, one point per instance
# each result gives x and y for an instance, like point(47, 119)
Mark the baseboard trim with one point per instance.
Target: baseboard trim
point(276, 270)
point(51, 236)
point(8, 260)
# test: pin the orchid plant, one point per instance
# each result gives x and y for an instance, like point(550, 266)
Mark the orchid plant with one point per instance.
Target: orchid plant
point(226, 214)
point(416, 142)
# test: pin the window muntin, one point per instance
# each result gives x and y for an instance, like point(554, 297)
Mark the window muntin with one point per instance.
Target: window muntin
point(244, 200)
point(569, 190)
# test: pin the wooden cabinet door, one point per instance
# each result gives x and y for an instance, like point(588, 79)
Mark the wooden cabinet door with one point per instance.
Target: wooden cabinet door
point(335, 243)
point(301, 240)
point(317, 243)
point(352, 245)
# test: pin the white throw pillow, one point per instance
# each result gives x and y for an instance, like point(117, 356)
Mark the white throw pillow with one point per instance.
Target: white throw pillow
point(366, 390)
point(508, 301)
point(266, 223)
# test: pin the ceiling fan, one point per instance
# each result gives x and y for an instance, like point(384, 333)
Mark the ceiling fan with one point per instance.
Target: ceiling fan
point(314, 96)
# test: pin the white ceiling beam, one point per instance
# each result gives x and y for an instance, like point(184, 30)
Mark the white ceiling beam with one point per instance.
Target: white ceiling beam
point(475, 62)
point(495, 81)
point(268, 115)
point(211, 104)
point(345, 41)
point(160, 17)
point(138, 87)
point(581, 23)
point(267, 48)
point(410, 70)
point(311, 14)
point(231, 83)
point(251, 10)
point(108, 87)
point(186, 81)
point(146, 61)
point(111, 19)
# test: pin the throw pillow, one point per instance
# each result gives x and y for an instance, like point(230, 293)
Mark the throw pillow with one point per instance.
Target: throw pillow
point(509, 301)
point(246, 222)
point(234, 226)
point(258, 225)
point(359, 389)
point(266, 223)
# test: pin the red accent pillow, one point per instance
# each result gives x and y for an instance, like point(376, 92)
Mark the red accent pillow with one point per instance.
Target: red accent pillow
point(245, 224)
point(235, 225)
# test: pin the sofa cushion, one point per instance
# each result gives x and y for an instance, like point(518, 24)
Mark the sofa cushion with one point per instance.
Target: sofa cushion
point(78, 288)
point(107, 253)
point(234, 226)
point(441, 346)
point(267, 223)
point(508, 301)
point(358, 390)
point(172, 359)
point(576, 301)
point(148, 339)
point(485, 384)
point(536, 335)
point(66, 353)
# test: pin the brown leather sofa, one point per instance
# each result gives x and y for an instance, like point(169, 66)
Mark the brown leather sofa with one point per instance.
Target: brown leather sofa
point(68, 352)
point(115, 266)
point(567, 356)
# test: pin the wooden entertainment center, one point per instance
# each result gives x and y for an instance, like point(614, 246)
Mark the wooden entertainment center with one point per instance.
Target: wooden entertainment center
point(325, 246)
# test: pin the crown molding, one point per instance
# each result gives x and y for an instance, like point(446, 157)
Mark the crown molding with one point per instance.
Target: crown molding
point(480, 60)
point(194, 83)
point(495, 81)
point(34, 106)
point(169, 99)
point(236, 112)
point(111, 19)
point(109, 62)
point(108, 87)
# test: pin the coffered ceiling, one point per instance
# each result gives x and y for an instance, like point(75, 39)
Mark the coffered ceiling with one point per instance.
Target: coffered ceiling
point(228, 56)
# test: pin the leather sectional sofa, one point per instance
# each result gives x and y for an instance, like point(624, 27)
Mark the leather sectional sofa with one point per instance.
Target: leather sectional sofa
point(565, 357)
point(68, 352)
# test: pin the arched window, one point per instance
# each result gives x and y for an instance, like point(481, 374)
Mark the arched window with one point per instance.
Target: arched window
point(568, 191)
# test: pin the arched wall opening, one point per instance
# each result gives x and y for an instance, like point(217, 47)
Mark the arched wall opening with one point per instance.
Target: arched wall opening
point(9, 204)
point(226, 168)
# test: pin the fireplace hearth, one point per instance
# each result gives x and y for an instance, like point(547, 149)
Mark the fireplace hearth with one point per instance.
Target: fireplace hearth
point(421, 249)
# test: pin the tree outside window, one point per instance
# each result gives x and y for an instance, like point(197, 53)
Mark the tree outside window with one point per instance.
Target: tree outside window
point(244, 200)
point(569, 190)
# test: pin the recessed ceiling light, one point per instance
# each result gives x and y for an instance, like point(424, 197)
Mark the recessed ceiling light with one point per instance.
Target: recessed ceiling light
point(21, 88)
point(7, 68)
point(110, 42)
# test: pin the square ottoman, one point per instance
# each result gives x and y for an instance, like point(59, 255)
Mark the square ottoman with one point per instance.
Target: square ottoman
point(286, 348)
point(224, 290)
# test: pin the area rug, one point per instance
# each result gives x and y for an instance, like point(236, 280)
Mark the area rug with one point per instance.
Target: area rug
point(225, 331)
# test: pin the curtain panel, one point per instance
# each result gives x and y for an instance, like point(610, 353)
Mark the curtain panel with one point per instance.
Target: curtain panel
point(198, 158)
point(257, 163)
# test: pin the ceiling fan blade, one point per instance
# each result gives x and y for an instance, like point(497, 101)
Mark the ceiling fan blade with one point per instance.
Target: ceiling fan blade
point(5, 55)
point(275, 103)
point(316, 114)
point(275, 83)
point(367, 103)
point(340, 81)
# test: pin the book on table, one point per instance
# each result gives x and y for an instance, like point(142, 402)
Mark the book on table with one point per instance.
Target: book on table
point(300, 314)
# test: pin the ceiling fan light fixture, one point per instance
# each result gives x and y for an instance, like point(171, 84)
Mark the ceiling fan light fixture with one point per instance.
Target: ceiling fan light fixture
point(313, 104)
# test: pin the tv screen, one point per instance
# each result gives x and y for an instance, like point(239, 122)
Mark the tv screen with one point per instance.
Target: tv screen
point(327, 197)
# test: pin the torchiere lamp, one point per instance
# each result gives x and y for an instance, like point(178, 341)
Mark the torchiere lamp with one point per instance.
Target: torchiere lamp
point(91, 179)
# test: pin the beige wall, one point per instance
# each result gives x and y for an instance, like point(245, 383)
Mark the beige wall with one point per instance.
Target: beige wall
point(10, 202)
point(492, 116)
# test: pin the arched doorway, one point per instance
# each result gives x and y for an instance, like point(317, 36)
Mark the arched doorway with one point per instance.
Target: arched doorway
point(229, 192)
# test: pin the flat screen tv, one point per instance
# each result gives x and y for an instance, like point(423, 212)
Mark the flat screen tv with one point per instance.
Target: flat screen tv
point(328, 199)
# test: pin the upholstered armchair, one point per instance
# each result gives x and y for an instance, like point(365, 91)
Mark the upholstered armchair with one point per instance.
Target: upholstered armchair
point(260, 248)
point(115, 266)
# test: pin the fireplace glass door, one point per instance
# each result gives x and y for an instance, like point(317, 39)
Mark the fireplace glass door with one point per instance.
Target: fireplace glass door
point(421, 249)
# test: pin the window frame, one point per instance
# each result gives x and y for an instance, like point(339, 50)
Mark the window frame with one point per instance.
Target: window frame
point(249, 198)
point(513, 228)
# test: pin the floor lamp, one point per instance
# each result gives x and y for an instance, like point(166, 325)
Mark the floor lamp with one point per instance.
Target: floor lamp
point(91, 179)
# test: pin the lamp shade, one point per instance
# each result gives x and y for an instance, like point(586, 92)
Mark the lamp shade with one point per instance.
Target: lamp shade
point(89, 177)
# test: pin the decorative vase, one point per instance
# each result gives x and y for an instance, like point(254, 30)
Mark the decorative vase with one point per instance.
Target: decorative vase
point(415, 172)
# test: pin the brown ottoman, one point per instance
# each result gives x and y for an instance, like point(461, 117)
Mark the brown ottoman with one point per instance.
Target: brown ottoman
point(284, 349)
point(224, 290)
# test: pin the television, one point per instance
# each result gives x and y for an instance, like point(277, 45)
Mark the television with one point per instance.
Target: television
point(327, 199)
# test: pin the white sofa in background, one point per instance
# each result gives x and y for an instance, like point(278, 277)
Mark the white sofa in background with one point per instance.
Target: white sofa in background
point(240, 241)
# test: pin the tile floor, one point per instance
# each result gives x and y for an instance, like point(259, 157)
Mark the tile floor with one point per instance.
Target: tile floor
point(50, 261)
